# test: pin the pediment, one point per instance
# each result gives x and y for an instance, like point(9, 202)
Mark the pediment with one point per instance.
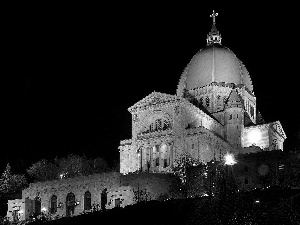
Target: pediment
point(155, 98)
point(277, 126)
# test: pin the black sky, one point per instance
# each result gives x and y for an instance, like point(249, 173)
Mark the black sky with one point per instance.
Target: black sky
point(70, 74)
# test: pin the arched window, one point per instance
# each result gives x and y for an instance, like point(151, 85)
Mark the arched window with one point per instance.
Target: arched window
point(53, 205)
point(87, 200)
point(166, 125)
point(158, 124)
point(70, 204)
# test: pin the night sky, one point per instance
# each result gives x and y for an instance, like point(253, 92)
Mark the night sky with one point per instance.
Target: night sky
point(70, 74)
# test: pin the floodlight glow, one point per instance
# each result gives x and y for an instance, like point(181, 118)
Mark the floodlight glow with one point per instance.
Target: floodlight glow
point(229, 159)
point(254, 136)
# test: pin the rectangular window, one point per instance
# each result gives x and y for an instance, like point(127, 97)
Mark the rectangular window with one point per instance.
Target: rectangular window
point(157, 162)
point(230, 117)
point(165, 163)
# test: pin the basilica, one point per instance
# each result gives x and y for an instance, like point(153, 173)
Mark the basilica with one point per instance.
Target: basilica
point(214, 112)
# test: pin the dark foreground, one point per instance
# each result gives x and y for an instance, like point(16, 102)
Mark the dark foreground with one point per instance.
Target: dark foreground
point(257, 207)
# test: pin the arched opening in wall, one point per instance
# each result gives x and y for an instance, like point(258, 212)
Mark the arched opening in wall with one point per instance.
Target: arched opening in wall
point(164, 153)
point(15, 215)
point(166, 124)
point(103, 199)
point(53, 204)
point(70, 204)
point(159, 124)
point(156, 152)
point(148, 159)
point(87, 200)
point(37, 206)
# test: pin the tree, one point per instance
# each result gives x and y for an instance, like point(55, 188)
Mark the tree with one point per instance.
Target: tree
point(43, 170)
point(225, 183)
point(100, 165)
point(190, 171)
point(141, 195)
point(70, 166)
point(11, 183)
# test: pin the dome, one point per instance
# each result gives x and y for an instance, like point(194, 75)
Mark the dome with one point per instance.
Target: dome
point(214, 64)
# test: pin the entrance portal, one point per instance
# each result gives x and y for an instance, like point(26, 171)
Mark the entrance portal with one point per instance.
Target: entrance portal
point(70, 204)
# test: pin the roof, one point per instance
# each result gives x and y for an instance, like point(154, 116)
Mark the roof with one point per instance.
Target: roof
point(234, 100)
point(214, 63)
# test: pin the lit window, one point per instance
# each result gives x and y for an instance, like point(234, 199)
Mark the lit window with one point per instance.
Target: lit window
point(281, 166)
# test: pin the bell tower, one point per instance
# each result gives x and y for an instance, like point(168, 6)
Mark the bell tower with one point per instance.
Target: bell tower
point(234, 119)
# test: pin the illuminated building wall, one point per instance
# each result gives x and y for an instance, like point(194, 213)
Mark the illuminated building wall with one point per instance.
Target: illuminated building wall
point(257, 135)
point(266, 136)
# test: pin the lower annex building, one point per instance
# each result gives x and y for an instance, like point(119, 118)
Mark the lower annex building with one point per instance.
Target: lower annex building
point(213, 112)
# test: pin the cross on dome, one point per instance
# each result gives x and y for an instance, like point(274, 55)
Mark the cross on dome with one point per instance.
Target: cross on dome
point(214, 36)
point(214, 15)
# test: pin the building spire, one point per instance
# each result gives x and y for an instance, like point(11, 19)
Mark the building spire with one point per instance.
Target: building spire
point(214, 35)
point(213, 15)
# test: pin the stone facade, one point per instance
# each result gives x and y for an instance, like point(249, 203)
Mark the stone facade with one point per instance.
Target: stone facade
point(92, 192)
point(213, 112)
